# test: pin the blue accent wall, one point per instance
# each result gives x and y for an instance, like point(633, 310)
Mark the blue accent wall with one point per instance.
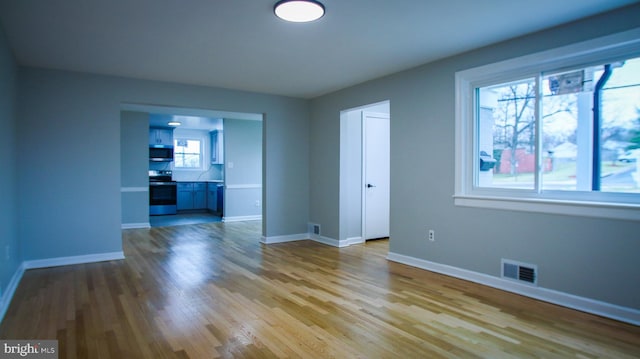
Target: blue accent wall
point(9, 245)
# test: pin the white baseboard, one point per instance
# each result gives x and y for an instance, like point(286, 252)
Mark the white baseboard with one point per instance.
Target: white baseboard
point(5, 300)
point(285, 238)
point(326, 240)
point(314, 237)
point(136, 225)
point(353, 240)
point(620, 313)
point(337, 243)
point(242, 218)
point(63, 261)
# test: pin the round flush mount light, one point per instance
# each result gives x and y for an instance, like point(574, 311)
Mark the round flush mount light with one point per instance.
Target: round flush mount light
point(299, 10)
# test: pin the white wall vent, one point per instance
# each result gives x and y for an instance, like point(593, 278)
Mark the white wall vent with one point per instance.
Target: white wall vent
point(314, 229)
point(522, 272)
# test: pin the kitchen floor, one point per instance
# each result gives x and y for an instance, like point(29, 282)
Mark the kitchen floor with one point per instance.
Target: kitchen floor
point(182, 219)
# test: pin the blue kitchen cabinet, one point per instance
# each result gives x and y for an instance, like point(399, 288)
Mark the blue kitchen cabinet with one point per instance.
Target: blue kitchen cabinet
point(200, 195)
point(185, 196)
point(192, 196)
point(212, 188)
point(160, 136)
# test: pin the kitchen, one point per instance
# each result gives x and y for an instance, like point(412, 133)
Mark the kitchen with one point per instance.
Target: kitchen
point(199, 168)
point(186, 169)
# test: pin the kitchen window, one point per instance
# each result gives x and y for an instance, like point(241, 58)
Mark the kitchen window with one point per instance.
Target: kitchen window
point(553, 132)
point(187, 153)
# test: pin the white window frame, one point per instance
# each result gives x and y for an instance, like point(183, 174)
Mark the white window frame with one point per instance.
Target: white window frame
point(591, 204)
point(201, 162)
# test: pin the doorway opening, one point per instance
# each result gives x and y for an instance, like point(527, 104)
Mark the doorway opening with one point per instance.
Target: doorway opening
point(364, 173)
point(225, 161)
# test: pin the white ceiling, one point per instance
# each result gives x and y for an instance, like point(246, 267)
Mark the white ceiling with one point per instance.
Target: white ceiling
point(240, 44)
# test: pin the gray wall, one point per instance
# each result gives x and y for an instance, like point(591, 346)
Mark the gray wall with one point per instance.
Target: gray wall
point(134, 161)
point(8, 204)
point(594, 258)
point(243, 148)
point(69, 156)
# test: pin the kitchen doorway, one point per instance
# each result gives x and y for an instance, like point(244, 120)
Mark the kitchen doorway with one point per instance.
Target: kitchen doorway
point(238, 175)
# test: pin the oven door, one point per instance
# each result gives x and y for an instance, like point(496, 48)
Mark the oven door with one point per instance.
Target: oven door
point(162, 198)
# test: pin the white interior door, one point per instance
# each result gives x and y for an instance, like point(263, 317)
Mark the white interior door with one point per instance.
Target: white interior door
point(376, 174)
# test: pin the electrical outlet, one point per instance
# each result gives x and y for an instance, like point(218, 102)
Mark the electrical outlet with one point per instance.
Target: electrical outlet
point(432, 235)
point(257, 203)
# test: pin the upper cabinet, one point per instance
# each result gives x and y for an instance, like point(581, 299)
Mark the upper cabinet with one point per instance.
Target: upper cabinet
point(217, 147)
point(160, 136)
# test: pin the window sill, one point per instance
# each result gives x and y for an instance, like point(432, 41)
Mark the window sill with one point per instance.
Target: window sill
point(565, 207)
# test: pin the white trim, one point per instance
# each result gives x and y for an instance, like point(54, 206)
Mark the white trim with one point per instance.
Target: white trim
point(285, 238)
point(624, 314)
point(354, 240)
point(589, 204)
point(243, 186)
point(242, 218)
point(314, 237)
point(136, 225)
point(363, 173)
point(336, 243)
point(574, 208)
point(134, 189)
point(6, 298)
point(63, 261)
point(326, 240)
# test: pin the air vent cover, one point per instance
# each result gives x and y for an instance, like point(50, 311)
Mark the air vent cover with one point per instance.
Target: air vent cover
point(519, 271)
point(314, 228)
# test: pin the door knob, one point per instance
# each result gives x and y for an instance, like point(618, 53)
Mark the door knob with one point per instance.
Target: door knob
point(369, 185)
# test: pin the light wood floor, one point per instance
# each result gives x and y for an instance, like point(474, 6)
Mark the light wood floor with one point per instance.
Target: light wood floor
point(211, 290)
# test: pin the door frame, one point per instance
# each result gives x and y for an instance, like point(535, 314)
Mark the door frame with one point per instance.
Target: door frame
point(350, 172)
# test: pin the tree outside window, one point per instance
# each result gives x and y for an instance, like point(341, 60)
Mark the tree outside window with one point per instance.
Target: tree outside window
point(187, 153)
point(589, 120)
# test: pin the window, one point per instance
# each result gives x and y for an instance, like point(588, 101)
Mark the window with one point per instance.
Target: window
point(187, 153)
point(553, 132)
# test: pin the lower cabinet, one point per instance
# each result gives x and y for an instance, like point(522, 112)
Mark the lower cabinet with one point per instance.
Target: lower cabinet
point(212, 197)
point(192, 195)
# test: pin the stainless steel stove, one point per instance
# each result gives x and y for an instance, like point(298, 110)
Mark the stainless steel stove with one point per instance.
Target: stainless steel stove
point(163, 194)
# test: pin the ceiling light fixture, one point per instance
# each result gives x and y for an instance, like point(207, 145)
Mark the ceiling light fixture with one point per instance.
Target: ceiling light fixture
point(299, 10)
point(174, 123)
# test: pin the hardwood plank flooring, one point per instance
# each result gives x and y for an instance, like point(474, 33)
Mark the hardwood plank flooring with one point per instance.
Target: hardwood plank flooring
point(213, 291)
